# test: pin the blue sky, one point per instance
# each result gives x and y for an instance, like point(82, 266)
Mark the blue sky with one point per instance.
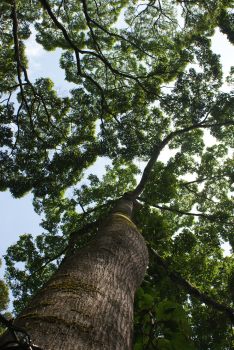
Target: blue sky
point(17, 215)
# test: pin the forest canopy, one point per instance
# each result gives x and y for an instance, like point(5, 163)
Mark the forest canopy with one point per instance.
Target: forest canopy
point(145, 80)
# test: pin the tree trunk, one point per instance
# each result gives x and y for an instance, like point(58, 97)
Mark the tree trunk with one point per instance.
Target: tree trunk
point(88, 302)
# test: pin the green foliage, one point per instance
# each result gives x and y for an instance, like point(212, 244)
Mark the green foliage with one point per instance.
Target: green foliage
point(4, 294)
point(226, 24)
point(32, 255)
point(118, 179)
point(162, 324)
point(161, 187)
point(145, 81)
point(4, 300)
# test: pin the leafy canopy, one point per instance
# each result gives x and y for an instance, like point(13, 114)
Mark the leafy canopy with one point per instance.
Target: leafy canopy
point(4, 299)
point(145, 80)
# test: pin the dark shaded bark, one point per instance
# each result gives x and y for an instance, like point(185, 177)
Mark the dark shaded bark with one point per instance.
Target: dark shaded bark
point(88, 303)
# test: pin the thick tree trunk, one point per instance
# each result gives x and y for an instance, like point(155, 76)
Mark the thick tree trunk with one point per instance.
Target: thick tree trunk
point(88, 303)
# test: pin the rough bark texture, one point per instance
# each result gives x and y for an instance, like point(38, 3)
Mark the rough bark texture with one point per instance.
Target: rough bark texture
point(88, 303)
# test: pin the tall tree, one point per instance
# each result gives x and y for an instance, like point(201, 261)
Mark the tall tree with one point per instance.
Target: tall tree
point(4, 297)
point(146, 81)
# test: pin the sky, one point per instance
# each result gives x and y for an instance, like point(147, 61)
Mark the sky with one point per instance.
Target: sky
point(17, 215)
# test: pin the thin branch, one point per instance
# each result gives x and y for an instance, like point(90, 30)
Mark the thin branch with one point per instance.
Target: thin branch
point(70, 246)
point(50, 260)
point(199, 180)
point(20, 67)
point(163, 13)
point(178, 211)
point(105, 30)
point(59, 7)
point(213, 218)
point(200, 194)
point(204, 298)
point(89, 21)
point(159, 146)
point(7, 99)
point(141, 12)
point(74, 236)
point(82, 207)
point(78, 51)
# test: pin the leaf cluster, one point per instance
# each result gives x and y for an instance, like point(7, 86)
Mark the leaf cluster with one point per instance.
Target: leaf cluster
point(148, 98)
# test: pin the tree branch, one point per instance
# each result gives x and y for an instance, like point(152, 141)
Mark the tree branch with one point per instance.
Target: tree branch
point(74, 235)
point(199, 180)
point(212, 218)
point(204, 298)
point(78, 51)
point(105, 30)
point(22, 68)
point(159, 146)
point(178, 211)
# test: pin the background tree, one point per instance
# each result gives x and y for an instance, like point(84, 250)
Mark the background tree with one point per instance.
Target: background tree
point(4, 299)
point(135, 95)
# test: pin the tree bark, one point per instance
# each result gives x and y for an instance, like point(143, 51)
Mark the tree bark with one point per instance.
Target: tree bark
point(88, 302)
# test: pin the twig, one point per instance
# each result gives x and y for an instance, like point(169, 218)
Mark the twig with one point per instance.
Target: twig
point(199, 180)
point(213, 218)
point(78, 51)
point(159, 146)
point(177, 211)
point(105, 30)
point(204, 298)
